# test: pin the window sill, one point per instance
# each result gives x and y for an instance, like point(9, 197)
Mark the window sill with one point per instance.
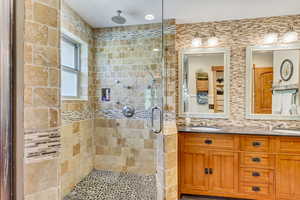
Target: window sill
point(77, 100)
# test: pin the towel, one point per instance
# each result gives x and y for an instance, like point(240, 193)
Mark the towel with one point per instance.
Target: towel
point(286, 103)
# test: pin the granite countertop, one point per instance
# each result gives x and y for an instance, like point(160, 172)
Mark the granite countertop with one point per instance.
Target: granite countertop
point(242, 131)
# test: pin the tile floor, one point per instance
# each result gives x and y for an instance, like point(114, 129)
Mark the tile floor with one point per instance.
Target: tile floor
point(103, 185)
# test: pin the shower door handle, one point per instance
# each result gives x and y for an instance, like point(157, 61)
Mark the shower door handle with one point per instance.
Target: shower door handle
point(160, 119)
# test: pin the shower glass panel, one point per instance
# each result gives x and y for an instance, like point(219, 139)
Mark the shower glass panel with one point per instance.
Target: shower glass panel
point(112, 100)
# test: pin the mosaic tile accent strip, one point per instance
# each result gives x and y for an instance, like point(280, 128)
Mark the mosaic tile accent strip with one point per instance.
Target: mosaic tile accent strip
point(42, 145)
point(74, 116)
point(104, 185)
point(134, 34)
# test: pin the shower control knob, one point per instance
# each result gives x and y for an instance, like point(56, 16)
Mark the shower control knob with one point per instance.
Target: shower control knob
point(128, 111)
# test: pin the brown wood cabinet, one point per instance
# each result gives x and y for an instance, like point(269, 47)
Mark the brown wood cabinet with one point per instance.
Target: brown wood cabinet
point(239, 166)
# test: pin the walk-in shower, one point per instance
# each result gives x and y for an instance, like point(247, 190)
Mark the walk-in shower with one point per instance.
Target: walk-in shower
point(112, 99)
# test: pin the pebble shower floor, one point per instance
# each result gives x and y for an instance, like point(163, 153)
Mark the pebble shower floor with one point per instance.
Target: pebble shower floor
point(103, 185)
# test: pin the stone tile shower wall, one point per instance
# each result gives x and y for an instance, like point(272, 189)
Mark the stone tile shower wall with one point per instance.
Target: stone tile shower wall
point(77, 151)
point(126, 63)
point(41, 100)
point(237, 35)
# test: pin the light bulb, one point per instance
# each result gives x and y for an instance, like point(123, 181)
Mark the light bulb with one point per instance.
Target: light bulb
point(197, 42)
point(290, 36)
point(271, 38)
point(212, 41)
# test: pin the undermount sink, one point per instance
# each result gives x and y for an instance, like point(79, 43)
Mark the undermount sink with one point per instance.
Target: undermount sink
point(287, 131)
point(205, 128)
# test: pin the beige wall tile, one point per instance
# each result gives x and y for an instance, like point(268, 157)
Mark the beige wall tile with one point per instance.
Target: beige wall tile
point(28, 9)
point(45, 97)
point(36, 33)
point(48, 194)
point(28, 53)
point(28, 96)
point(53, 37)
point(54, 118)
point(35, 76)
point(76, 149)
point(54, 78)
point(45, 14)
point(46, 56)
point(40, 176)
point(64, 167)
point(36, 118)
point(51, 3)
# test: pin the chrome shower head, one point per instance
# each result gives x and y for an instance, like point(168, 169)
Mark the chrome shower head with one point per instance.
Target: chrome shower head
point(119, 19)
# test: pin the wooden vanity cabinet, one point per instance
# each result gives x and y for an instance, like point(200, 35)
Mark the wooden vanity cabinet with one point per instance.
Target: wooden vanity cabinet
point(208, 163)
point(239, 166)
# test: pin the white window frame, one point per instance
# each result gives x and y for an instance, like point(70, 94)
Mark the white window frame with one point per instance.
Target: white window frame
point(77, 69)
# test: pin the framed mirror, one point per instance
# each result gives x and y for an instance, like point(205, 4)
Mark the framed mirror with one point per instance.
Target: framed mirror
point(273, 79)
point(204, 83)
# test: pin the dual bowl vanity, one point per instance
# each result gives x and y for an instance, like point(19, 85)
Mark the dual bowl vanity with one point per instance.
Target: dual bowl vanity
point(239, 163)
point(247, 163)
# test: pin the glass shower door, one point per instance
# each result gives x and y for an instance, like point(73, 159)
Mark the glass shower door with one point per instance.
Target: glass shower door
point(118, 70)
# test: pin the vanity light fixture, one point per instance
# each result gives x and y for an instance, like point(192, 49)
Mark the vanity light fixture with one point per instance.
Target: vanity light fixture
point(290, 36)
point(155, 50)
point(213, 40)
point(197, 40)
point(271, 37)
point(149, 17)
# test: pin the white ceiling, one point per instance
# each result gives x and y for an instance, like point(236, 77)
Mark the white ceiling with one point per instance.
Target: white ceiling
point(98, 13)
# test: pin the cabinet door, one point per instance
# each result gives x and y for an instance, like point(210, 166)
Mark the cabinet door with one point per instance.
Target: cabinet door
point(193, 176)
point(288, 177)
point(224, 174)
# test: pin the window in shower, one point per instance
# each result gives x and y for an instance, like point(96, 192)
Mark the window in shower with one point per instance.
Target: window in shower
point(70, 61)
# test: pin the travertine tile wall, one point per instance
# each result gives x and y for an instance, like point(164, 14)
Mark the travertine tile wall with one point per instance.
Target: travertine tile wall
point(237, 35)
point(42, 99)
point(125, 54)
point(77, 143)
point(170, 146)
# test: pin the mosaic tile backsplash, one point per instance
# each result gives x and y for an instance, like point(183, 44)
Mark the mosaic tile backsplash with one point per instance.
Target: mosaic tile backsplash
point(236, 35)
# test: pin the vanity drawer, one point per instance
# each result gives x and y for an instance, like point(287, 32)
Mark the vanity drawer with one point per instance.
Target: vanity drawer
point(255, 175)
point(288, 145)
point(258, 189)
point(255, 143)
point(257, 160)
point(209, 141)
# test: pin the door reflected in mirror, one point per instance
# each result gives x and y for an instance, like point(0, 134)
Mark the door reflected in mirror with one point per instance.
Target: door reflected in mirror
point(274, 81)
point(204, 89)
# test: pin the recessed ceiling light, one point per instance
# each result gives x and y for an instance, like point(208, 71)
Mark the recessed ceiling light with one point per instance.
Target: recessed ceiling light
point(149, 17)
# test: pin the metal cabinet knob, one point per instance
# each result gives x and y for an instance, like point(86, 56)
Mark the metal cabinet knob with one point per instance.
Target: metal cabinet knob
point(256, 159)
point(255, 189)
point(256, 144)
point(255, 174)
point(208, 141)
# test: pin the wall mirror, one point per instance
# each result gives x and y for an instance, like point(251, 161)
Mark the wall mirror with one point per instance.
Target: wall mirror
point(204, 82)
point(273, 77)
